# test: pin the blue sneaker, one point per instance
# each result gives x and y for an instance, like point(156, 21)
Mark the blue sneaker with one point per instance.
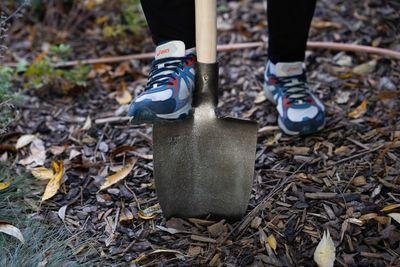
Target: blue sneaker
point(170, 86)
point(300, 111)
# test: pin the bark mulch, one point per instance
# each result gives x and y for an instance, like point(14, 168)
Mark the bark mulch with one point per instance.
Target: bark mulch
point(339, 179)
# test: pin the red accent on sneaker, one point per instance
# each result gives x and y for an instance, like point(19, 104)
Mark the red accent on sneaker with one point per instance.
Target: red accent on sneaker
point(162, 52)
point(190, 61)
point(272, 80)
point(286, 102)
point(175, 87)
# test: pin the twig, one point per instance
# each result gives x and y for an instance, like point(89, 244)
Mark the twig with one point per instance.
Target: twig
point(112, 119)
point(231, 47)
point(356, 155)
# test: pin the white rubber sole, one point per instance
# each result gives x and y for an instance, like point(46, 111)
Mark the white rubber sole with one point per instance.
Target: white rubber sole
point(184, 111)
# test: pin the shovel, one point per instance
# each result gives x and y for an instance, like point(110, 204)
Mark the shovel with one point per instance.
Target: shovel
point(204, 166)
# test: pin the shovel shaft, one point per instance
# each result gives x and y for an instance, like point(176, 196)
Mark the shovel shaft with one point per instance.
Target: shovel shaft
point(206, 31)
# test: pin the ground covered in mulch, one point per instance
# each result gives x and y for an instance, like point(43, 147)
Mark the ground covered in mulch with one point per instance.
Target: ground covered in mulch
point(339, 179)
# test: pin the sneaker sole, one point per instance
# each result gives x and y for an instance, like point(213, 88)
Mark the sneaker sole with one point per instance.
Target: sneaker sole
point(302, 133)
point(270, 97)
point(148, 116)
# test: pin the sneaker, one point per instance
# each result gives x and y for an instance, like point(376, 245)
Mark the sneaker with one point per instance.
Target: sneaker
point(300, 111)
point(170, 86)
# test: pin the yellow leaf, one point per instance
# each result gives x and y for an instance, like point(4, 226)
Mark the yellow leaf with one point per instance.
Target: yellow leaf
point(395, 216)
point(118, 176)
point(359, 111)
point(11, 230)
point(272, 242)
point(391, 207)
point(42, 173)
point(150, 212)
point(55, 182)
point(24, 140)
point(324, 254)
point(5, 185)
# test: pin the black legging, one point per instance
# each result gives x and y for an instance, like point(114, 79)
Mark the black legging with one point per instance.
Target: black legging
point(288, 22)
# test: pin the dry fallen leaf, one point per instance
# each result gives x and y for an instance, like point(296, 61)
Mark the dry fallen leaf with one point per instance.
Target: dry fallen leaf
point(157, 251)
point(11, 230)
point(395, 216)
point(260, 98)
point(55, 182)
point(24, 140)
point(359, 111)
point(61, 212)
point(37, 156)
point(5, 185)
point(42, 173)
point(324, 254)
point(123, 96)
point(391, 207)
point(58, 150)
point(87, 125)
point(150, 212)
point(272, 242)
point(365, 68)
point(118, 176)
point(126, 215)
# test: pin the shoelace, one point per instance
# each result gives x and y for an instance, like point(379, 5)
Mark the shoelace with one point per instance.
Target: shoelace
point(295, 88)
point(162, 70)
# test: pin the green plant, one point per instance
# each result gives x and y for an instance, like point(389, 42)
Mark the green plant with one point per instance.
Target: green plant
point(131, 19)
point(6, 97)
point(42, 241)
point(42, 73)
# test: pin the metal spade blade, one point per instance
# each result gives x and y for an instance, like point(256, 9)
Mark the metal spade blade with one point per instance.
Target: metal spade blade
point(204, 165)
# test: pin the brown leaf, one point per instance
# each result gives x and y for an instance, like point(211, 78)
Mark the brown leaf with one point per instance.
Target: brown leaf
point(7, 148)
point(359, 181)
point(118, 176)
point(123, 96)
point(122, 69)
point(126, 215)
point(217, 229)
point(58, 150)
point(391, 207)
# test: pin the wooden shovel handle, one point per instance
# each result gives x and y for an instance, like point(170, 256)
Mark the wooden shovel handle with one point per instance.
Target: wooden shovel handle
point(206, 31)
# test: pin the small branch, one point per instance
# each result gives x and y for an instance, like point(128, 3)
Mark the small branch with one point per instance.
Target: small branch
point(232, 47)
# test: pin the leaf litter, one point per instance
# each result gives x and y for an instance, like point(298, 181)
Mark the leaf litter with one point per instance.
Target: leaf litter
point(344, 179)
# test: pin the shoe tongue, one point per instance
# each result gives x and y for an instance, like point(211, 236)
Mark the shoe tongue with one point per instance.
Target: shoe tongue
point(170, 49)
point(288, 69)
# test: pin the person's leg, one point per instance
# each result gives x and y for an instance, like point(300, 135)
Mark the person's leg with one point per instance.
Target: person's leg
point(170, 85)
point(171, 20)
point(288, 26)
point(300, 111)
